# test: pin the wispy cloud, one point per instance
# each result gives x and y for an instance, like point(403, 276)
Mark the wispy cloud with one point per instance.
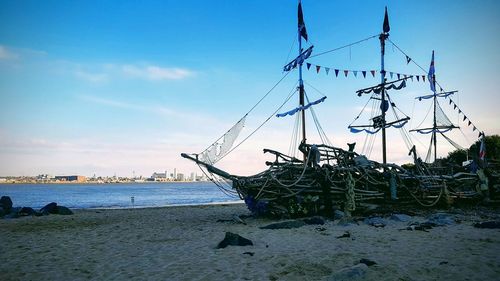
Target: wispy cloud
point(92, 77)
point(7, 54)
point(153, 72)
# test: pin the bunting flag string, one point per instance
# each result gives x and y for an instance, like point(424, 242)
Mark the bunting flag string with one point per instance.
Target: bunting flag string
point(420, 78)
point(465, 118)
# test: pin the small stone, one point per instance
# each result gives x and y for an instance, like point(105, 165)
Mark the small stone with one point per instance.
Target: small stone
point(346, 234)
point(232, 239)
point(367, 262)
point(249, 253)
point(27, 211)
point(488, 224)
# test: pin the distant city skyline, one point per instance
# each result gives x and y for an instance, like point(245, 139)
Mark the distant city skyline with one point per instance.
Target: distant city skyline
point(105, 87)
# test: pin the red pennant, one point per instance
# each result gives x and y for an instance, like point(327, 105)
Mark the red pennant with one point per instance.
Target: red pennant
point(364, 74)
point(346, 72)
point(372, 72)
point(318, 68)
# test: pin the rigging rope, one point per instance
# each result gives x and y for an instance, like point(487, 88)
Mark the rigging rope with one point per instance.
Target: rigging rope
point(345, 46)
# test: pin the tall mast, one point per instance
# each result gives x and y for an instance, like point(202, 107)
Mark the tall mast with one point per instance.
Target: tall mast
point(383, 36)
point(301, 32)
point(433, 88)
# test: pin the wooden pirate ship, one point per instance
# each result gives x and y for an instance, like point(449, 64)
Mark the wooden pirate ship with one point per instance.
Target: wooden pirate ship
point(325, 177)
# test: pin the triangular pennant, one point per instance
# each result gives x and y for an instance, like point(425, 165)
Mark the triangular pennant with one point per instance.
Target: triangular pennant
point(454, 106)
point(406, 76)
point(459, 111)
point(399, 75)
point(450, 101)
point(441, 89)
point(469, 123)
point(318, 68)
point(308, 65)
point(327, 69)
point(346, 72)
point(423, 78)
point(372, 72)
point(336, 72)
point(355, 73)
point(465, 117)
point(411, 78)
point(408, 59)
point(418, 78)
point(473, 129)
point(364, 73)
point(391, 73)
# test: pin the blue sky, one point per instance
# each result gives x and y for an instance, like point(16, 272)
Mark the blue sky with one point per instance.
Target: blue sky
point(110, 87)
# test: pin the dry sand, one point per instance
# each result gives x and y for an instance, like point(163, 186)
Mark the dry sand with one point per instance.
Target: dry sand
point(178, 243)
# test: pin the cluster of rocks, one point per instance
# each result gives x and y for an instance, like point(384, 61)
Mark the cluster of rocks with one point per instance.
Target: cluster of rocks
point(9, 212)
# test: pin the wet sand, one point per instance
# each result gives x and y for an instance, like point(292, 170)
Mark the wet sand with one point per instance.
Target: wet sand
point(179, 243)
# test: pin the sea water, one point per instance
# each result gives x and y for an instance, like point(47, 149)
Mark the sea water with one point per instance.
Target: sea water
point(116, 195)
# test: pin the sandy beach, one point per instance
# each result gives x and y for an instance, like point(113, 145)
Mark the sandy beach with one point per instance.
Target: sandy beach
point(179, 243)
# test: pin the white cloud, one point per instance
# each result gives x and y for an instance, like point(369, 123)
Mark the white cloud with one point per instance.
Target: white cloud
point(152, 72)
point(92, 77)
point(6, 54)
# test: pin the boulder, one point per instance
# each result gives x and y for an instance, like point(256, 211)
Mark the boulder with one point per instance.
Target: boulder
point(50, 208)
point(441, 219)
point(367, 262)
point(2, 212)
point(27, 211)
point(6, 204)
point(338, 214)
point(232, 239)
point(314, 220)
point(61, 210)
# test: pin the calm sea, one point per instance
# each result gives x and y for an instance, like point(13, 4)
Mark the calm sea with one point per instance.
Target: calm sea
point(83, 196)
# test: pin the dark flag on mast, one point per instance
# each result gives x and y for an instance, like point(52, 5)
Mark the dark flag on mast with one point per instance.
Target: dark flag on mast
point(386, 26)
point(302, 25)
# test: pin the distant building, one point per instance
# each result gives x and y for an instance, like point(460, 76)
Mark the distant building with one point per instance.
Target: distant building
point(180, 177)
point(71, 178)
point(159, 176)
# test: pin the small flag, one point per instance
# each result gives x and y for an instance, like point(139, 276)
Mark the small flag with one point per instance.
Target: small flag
point(441, 89)
point(459, 111)
point(423, 78)
point(454, 106)
point(301, 24)
point(355, 73)
point(318, 68)
point(364, 73)
point(391, 74)
point(469, 123)
point(346, 72)
point(465, 117)
point(386, 28)
point(372, 72)
point(418, 78)
point(474, 128)
point(431, 74)
point(399, 75)
point(308, 65)
point(451, 101)
point(408, 59)
point(336, 72)
point(327, 69)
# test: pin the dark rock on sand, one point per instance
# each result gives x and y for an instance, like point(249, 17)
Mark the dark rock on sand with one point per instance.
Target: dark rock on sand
point(6, 204)
point(61, 210)
point(338, 214)
point(50, 208)
point(232, 239)
point(27, 211)
point(2, 212)
point(285, 225)
point(488, 224)
point(367, 262)
point(314, 220)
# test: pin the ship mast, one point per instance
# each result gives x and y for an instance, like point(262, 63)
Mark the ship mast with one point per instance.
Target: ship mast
point(301, 32)
point(383, 36)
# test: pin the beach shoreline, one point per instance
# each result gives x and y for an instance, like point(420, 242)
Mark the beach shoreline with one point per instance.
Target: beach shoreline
point(179, 243)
